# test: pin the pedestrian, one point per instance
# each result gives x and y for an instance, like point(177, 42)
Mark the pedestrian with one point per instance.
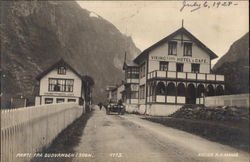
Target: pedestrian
point(100, 105)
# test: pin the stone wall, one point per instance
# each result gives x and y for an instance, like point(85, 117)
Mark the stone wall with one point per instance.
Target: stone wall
point(241, 100)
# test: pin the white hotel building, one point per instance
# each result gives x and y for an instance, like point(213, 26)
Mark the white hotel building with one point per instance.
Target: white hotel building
point(172, 72)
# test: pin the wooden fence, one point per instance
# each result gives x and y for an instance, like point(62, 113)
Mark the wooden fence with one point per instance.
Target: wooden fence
point(25, 131)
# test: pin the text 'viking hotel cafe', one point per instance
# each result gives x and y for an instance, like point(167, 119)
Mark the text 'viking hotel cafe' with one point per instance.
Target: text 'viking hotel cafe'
point(172, 72)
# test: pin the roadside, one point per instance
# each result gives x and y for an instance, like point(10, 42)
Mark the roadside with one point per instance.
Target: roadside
point(65, 142)
point(194, 146)
point(226, 125)
point(128, 138)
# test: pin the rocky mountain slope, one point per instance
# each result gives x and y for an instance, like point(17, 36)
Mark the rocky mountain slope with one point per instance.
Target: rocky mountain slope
point(235, 66)
point(36, 34)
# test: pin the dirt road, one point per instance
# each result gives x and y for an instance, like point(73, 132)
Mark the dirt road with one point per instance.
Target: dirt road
point(128, 138)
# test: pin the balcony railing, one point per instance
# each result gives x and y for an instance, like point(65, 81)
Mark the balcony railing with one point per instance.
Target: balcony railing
point(185, 75)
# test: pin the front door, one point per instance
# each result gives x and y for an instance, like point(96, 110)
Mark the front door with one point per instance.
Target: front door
point(191, 94)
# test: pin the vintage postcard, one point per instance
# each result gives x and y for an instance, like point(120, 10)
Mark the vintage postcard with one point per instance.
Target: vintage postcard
point(125, 81)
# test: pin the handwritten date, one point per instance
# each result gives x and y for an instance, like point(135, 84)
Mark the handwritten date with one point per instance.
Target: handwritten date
point(196, 5)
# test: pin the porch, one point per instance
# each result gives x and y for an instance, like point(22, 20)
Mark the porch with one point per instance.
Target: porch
point(179, 92)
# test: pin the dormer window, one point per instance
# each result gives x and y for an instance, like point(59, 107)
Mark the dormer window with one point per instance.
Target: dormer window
point(187, 51)
point(172, 48)
point(61, 70)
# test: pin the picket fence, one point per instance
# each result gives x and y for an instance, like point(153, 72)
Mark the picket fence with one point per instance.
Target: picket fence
point(25, 131)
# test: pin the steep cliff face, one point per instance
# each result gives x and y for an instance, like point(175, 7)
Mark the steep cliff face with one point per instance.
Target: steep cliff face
point(237, 51)
point(235, 66)
point(37, 34)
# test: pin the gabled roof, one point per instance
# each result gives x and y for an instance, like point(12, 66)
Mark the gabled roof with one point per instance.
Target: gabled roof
point(59, 63)
point(182, 30)
point(129, 64)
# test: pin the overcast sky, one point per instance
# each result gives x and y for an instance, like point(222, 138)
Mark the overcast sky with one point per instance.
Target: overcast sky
point(149, 21)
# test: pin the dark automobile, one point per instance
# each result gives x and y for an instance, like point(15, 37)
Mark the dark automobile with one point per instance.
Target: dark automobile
point(115, 107)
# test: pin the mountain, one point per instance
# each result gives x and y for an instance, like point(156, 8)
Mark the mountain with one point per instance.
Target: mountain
point(235, 66)
point(36, 34)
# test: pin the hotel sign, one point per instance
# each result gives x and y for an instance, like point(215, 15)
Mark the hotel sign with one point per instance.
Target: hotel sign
point(180, 59)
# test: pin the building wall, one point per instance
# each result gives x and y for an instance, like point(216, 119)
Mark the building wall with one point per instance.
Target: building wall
point(162, 50)
point(131, 108)
point(142, 81)
point(66, 98)
point(119, 92)
point(161, 109)
point(114, 95)
point(162, 105)
point(153, 110)
point(228, 100)
point(44, 84)
point(109, 95)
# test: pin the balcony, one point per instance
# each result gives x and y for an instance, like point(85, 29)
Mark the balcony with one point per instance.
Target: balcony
point(186, 76)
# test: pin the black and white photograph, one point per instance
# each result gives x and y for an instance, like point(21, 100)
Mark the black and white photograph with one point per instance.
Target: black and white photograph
point(124, 81)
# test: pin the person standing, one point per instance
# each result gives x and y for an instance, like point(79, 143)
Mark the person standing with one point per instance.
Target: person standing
point(100, 105)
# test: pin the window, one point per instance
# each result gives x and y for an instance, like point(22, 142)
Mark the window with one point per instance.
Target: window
point(163, 66)
point(48, 100)
point(71, 100)
point(132, 73)
point(187, 49)
point(179, 67)
point(134, 87)
point(142, 70)
point(132, 91)
point(134, 95)
point(142, 92)
point(61, 85)
point(195, 68)
point(59, 100)
point(61, 70)
point(172, 48)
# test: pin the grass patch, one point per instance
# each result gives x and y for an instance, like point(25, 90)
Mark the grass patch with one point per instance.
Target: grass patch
point(232, 134)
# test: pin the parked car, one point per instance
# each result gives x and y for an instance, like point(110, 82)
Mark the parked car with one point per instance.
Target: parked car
point(115, 107)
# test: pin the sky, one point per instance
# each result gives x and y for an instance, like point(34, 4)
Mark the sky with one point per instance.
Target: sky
point(147, 22)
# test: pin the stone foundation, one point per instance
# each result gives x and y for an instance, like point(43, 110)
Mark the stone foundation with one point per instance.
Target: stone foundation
point(162, 109)
point(132, 108)
point(153, 109)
